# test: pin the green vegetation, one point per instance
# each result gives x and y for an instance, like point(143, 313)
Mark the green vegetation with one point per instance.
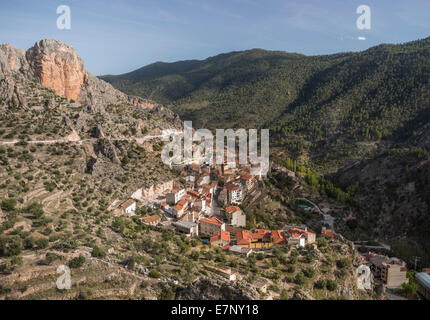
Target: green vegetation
point(77, 262)
point(322, 112)
point(411, 287)
point(359, 96)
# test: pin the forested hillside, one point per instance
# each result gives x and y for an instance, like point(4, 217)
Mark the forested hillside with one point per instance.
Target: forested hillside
point(360, 118)
point(308, 102)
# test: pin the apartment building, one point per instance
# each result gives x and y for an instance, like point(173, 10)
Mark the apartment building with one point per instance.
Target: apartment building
point(391, 271)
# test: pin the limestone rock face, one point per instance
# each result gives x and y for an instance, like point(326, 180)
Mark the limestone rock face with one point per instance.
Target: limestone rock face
point(58, 67)
point(12, 60)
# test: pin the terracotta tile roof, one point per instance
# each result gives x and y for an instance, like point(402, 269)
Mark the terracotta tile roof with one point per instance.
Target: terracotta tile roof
point(221, 235)
point(178, 207)
point(127, 203)
point(295, 234)
point(246, 177)
point(164, 204)
point(260, 234)
point(327, 232)
point(212, 220)
point(232, 229)
point(194, 193)
point(299, 230)
point(231, 209)
point(277, 236)
point(150, 219)
point(182, 202)
point(243, 237)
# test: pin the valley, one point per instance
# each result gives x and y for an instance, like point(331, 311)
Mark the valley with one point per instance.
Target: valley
point(83, 184)
point(360, 120)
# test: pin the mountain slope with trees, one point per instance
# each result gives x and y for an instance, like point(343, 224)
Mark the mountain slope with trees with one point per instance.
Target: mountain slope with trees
point(360, 119)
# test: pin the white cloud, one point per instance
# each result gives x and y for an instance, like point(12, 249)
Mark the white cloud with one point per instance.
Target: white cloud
point(362, 38)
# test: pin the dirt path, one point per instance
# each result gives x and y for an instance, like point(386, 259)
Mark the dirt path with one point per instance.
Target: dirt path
point(74, 137)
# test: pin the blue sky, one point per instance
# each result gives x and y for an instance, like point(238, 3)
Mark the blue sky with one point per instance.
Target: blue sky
point(118, 36)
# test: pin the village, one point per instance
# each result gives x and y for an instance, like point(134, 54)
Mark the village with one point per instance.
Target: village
point(205, 202)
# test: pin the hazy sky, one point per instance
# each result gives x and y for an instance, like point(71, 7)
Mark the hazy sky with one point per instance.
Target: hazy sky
point(120, 36)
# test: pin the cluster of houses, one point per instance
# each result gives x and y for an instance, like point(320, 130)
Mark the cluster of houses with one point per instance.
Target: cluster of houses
point(208, 198)
point(239, 240)
point(206, 204)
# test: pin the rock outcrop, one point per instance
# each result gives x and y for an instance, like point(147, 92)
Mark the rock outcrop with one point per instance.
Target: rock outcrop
point(212, 289)
point(13, 60)
point(58, 67)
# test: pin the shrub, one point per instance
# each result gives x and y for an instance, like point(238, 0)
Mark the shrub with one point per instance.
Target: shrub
point(300, 279)
point(291, 269)
point(320, 284)
point(42, 243)
point(10, 246)
point(98, 252)
point(331, 285)
point(77, 262)
point(309, 272)
point(155, 274)
point(284, 295)
point(166, 294)
point(8, 204)
point(342, 263)
point(50, 257)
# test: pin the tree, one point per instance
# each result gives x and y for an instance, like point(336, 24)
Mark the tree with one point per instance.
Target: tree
point(10, 246)
point(166, 294)
point(284, 295)
point(320, 284)
point(309, 272)
point(35, 209)
point(195, 255)
point(154, 274)
point(331, 285)
point(77, 262)
point(8, 204)
point(411, 287)
point(98, 252)
point(300, 279)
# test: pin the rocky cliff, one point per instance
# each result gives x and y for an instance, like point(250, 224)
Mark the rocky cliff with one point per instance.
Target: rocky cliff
point(57, 66)
point(47, 96)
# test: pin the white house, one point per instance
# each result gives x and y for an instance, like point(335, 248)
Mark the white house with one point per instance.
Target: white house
point(174, 196)
point(129, 207)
